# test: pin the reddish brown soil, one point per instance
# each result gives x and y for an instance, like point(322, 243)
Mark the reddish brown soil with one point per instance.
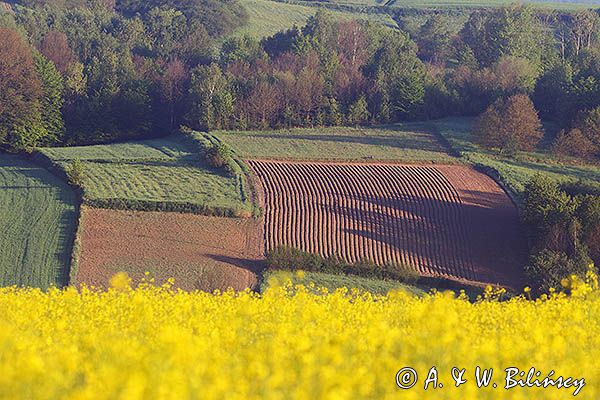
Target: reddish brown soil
point(443, 221)
point(199, 252)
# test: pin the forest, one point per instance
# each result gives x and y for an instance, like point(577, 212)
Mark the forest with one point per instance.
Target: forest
point(92, 71)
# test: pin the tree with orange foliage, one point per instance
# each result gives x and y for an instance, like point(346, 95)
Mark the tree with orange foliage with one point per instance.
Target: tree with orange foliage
point(509, 125)
point(55, 47)
point(20, 93)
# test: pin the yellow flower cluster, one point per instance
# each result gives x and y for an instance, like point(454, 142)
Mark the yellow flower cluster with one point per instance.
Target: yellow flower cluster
point(288, 343)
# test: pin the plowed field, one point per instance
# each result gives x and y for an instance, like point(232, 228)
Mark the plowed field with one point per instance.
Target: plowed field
point(199, 252)
point(443, 221)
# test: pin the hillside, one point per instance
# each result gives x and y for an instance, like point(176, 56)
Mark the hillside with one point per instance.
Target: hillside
point(157, 174)
point(266, 17)
point(515, 171)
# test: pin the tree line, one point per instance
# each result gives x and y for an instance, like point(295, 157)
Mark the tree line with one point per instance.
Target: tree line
point(89, 71)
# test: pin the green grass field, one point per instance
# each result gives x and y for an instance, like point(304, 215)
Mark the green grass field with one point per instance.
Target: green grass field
point(334, 281)
point(267, 17)
point(515, 171)
point(38, 214)
point(409, 143)
point(166, 170)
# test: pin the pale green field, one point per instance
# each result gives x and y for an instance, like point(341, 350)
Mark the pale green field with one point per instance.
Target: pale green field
point(335, 281)
point(409, 143)
point(166, 170)
point(267, 17)
point(515, 171)
point(38, 214)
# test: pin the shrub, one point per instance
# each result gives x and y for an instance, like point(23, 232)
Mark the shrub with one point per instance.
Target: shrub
point(588, 121)
point(76, 173)
point(283, 257)
point(219, 155)
point(288, 258)
point(547, 269)
point(545, 204)
point(574, 144)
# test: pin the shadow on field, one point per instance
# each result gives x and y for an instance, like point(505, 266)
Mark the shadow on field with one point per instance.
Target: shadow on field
point(479, 238)
point(252, 265)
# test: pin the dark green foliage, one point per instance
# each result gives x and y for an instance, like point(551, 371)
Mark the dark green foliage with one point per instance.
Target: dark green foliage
point(563, 231)
point(504, 31)
point(218, 16)
point(546, 205)
point(136, 68)
point(548, 269)
point(398, 76)
point(52, 98)
point(358, 113)
point(288, 258)
point(167, 206)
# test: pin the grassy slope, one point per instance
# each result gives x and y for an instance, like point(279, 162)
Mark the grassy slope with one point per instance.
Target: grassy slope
point(37, 223)
point(408, 143)
point(267, 17)
point(157, 170)
point(517, 171)
point(333, 281)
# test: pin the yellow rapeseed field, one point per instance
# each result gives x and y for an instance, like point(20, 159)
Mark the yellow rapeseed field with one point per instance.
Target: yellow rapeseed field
point(155, 342)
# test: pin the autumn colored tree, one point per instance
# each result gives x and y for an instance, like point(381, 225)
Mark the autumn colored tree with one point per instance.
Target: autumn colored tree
point(352, 55)
point(20, 93)
point(55, 47)
point(588, 121)
point(172, 87)
point(263, 104)
point(573, 143)
point(509, 125)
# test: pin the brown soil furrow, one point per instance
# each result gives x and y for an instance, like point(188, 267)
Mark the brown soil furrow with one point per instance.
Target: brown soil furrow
point(402, 223)
point(392, 223)
point(273, 217)
point(350, 215)
point(310, 189)
point(445, 221)
point(414, 207)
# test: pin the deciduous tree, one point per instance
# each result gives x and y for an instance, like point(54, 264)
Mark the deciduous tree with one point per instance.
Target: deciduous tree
point(55, 47)
point(20, 93)
point(509, 125)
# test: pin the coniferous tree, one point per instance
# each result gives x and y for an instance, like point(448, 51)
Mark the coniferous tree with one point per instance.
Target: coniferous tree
point(52, 97)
